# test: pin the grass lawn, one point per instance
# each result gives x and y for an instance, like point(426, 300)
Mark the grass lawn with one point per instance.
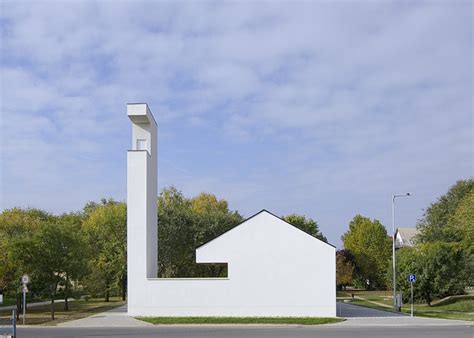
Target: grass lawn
point(461, 309)
point(241, 320)
point(41, 315)
point(342, 294)
point(8, 301)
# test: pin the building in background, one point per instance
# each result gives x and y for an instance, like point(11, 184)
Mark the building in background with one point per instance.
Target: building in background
point(404, 237)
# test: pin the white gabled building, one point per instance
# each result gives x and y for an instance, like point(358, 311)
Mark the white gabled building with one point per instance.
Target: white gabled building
point(274, 269)
point(404, 237)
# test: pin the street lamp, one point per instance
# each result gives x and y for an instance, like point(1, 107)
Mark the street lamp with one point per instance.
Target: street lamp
point(393, 250)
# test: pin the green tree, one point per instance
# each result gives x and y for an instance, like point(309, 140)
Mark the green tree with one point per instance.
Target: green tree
point(76, 266)
point(208, 203)
point(105, 229)
point(451, 220)
point(368, 241)
point(51, 255)
point(184, 225)
point(344, 268)
point(407, 258)
point(15, 224)
point(175, 234)
point(441, 270)
point(460, 225)
point(434, 224)
point(308, 225)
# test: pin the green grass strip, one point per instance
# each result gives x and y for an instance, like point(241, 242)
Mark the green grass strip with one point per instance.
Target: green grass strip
point(241, 320)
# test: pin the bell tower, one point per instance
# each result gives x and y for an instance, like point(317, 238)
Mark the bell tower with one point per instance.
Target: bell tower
point(142, 230)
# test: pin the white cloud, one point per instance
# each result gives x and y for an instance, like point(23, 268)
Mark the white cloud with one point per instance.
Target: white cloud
point(350, 100)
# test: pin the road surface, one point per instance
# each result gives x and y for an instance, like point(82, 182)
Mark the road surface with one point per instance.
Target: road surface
point(330, 330)
point(361, 322)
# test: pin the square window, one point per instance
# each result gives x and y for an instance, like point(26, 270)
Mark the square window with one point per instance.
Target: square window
point(142, 144)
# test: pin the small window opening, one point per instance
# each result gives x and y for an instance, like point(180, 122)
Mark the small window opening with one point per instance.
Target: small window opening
point(142, 144)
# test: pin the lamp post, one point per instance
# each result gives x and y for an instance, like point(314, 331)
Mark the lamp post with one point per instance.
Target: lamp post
point(393, 250)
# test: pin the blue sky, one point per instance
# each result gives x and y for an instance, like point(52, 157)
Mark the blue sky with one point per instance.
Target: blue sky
point(319, 108)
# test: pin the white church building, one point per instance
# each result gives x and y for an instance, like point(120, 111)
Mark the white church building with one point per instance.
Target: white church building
point(274, 269)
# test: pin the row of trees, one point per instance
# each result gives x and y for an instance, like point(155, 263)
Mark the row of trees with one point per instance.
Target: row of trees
point(85, 252)
point(442, 258)
point(61, 251)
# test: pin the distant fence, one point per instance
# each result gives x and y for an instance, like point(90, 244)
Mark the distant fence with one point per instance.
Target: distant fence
point(8, 326)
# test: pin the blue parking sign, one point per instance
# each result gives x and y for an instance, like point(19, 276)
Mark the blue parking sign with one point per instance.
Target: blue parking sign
point(412, 278)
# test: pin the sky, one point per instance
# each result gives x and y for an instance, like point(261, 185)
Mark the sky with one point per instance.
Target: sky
point(321, 108)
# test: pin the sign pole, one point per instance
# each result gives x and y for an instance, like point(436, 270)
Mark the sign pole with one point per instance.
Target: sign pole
point(412, 279)
point(14, 322)
point(24, 280)
point(24, 304)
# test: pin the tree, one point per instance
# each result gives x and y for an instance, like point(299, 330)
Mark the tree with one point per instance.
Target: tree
point(434, 224)
point(344, 268)
point(450, 220)
point(407, 258)
point(50, 255)
point(105, 228)
point(175, 234)
point(15, 224)
point(440, 268)
point(76, 264)
point(308, 225)
point(369, 243)
point(184, 225)
point(460, 225)
point(205, 203)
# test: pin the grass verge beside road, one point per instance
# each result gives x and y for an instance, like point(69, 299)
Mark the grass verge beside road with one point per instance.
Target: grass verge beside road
point(41, 315)
point(241, 320)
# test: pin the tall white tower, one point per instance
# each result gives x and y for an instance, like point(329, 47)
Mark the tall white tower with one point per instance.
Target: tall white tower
point(142, 234)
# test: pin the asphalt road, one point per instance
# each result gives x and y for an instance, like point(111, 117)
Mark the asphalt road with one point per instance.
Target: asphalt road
point(361, 322)
point(253, 332)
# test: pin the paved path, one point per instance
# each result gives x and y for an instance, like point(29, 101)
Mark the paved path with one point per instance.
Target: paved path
point(113, 318)
point(348, 310)
point(118, 317)
point(357, 316)
point(376, 303)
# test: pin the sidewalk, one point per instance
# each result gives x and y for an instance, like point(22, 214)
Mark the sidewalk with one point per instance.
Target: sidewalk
point(118, 318)
point(113, 318)
point(402, 321)
point(374, 302)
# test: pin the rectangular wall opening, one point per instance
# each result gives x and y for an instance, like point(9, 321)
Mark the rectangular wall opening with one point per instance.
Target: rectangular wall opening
point(142, 144)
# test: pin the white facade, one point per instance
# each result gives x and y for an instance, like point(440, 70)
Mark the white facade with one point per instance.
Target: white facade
point(404, 237)
point(274, 269)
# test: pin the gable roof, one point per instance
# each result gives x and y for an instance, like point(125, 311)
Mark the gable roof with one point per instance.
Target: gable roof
point(407, 235)
point(254, 215)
